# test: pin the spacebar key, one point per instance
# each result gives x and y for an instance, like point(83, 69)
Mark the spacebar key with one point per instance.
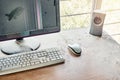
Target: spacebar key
point(11, 67)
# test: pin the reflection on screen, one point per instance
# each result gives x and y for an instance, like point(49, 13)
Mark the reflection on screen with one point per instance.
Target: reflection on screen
point(17, 16)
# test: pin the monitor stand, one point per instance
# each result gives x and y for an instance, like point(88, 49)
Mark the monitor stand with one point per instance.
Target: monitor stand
point(19, 45)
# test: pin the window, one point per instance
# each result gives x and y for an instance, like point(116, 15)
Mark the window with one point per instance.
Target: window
point(112, 22)
point(75, 13)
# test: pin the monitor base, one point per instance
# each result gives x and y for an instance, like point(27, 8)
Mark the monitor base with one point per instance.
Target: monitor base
point(19, 45)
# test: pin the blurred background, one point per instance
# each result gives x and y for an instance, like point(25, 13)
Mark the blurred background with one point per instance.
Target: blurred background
point(77, 14)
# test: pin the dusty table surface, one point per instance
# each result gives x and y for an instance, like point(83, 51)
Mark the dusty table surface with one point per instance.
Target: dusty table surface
point(100, 58)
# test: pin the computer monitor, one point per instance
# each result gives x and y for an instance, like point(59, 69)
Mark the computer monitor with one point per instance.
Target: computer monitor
point(25, 18)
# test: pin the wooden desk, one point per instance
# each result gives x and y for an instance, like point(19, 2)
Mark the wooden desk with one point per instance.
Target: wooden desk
point(100, 59)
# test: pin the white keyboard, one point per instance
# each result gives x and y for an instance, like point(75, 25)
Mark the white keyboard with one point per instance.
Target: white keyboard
point(30, 60)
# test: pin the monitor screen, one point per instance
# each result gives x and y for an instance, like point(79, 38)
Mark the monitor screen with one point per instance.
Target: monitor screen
point(25, 18)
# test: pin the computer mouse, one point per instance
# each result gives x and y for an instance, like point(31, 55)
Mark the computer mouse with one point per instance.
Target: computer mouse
point(75, 49)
